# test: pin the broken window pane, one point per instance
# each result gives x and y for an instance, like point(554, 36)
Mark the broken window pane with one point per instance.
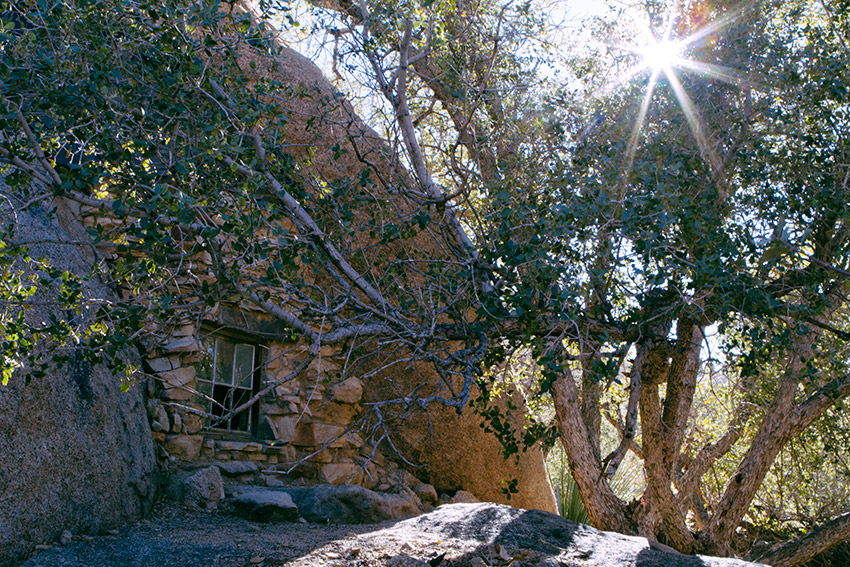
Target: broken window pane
point(232, 383)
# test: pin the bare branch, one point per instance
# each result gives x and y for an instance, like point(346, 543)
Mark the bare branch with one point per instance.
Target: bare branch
point(688, 484)
point(29, 168)
point(627, 432)
point(36, 146)
point(310, 228)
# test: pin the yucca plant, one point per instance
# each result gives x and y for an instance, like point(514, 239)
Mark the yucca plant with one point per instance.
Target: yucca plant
point(569, 501)
point(628, 484)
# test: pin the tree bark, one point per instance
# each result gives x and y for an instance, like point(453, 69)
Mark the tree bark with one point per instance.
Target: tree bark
point(658, 474)
point(799, 551)
point(681, 385)
point(604, 509)
point(591, 395)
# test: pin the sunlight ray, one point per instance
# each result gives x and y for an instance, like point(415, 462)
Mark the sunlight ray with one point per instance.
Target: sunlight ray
point(661, 52)
point(694, 121)
point(644, 108)
point(712, 71)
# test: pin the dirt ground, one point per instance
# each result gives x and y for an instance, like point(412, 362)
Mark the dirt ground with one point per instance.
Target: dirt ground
point(222, 539)
point(453, 535)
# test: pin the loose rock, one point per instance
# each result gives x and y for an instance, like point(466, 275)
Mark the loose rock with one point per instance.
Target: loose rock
point(204, 489)
point(236, 468)
point(462, 497)
point(266, 506)
point(425, 492)
point(353, 504)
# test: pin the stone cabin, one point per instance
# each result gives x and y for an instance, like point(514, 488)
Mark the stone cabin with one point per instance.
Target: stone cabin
point(305, 431)
point(299, 430)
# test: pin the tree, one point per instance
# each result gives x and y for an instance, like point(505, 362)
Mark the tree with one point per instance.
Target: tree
point(500, 213)
point(728, 244)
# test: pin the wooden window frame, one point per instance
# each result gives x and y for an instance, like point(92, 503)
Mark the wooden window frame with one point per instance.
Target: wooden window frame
point(218, 396)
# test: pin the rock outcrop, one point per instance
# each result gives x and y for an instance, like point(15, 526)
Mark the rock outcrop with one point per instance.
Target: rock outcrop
point(454, 535)
point(75, 452)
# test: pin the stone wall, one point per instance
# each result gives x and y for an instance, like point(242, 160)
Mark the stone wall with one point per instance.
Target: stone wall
point(309, 433)
point(302, 431)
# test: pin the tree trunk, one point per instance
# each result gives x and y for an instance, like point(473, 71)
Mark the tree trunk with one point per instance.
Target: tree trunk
point(591, 395)
point(681, 385)
point(799, 551)
point(775, 431)
point(604, 509)
point(658, 474)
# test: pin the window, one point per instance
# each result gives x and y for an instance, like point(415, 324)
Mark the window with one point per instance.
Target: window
point(228, 375)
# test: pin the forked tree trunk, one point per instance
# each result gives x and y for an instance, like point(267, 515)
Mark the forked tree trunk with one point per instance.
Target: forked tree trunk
point(658, 474)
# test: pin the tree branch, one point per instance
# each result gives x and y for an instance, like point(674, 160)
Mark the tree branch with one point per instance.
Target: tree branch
point(801, 550)
point(688, 483)
point(681, 385)
point(39, 151)
point(605, 510)
point(310, 228)
point(627, 433)
point(814, 406)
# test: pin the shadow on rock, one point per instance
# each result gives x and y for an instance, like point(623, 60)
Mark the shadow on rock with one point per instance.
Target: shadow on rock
point(453, 535)
point(518, 538)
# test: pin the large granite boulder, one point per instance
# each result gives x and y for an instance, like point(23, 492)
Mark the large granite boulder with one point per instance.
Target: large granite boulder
point(503, 533)
point(77, 453)
point(455, 451)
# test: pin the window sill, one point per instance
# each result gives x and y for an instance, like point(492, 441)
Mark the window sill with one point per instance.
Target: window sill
point(225, 435)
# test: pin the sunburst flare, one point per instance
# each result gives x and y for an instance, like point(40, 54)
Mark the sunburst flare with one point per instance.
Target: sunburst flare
point(661, 54)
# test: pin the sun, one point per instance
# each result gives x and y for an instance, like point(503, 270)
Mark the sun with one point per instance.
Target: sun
point(664, 55)
point(661, 55)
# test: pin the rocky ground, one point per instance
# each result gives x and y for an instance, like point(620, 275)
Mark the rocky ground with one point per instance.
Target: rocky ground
point(453, 535)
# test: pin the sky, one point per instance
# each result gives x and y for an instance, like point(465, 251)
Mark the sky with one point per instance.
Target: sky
point(580, 9)
point(570, 13)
